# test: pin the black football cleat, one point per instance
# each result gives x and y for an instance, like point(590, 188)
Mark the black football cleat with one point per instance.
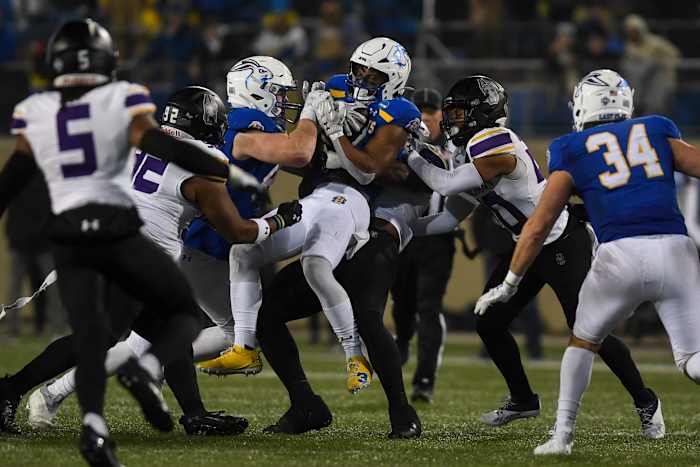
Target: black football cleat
point(9, 402)
point(97, 450)
point(298, 419)
point(405, 423)
point(145, 390)
point(213, 424)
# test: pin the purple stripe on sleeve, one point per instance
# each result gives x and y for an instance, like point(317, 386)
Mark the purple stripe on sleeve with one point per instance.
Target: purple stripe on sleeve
point(137, 99)
point(489, 143)
point(18, 123)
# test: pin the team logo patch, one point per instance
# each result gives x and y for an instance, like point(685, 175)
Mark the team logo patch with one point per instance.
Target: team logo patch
point(560, 259)
point(339, 199)
point(256, 125)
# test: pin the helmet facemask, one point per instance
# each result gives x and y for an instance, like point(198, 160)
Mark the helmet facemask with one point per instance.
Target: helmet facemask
point(283, 111)
point(365, 83)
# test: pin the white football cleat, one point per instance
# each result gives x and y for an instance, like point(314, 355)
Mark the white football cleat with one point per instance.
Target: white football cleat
point(653, 426)
point(42, 409)
point(559, 444)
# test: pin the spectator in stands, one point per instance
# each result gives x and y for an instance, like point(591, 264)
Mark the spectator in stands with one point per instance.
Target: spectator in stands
point(562, 61)
point(31, 258)
point(338, 33)
point(649, 63)
point(282, 37)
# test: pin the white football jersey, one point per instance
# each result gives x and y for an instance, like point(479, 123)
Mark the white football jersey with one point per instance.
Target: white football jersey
point(513, 197)
point(158, 195)
point(82, 147)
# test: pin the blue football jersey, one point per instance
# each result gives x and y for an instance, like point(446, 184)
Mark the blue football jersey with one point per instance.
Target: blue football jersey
point(624, 173)
point(201, 236)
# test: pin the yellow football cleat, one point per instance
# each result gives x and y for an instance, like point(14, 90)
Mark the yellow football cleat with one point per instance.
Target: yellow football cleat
point(235, 360)
point(359, 374)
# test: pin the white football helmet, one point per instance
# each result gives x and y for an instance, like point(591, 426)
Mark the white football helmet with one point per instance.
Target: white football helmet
point(601, 96)
point(262, 83)
point(384, 55)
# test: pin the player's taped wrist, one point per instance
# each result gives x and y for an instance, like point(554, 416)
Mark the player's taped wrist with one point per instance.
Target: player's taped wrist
point(308, 112)
point(512, 279)
point(186, 155)
point(264, 230)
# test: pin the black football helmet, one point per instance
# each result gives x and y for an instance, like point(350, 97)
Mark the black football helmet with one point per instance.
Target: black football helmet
point(197, 111)
point(473, 103)
point(81, 52)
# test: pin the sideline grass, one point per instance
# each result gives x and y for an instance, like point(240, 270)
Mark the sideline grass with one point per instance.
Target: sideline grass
point(608, 432)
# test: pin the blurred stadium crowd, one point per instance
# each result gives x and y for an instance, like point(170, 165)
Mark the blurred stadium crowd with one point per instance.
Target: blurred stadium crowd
point(540, 47)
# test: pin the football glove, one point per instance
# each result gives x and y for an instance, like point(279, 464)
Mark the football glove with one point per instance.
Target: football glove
point(311, 95)
point(329, 117)
point(500, 293)
point(287, 214)
point(355, 117)
point(242, 180)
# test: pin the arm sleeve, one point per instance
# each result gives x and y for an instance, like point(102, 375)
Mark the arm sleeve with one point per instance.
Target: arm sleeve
point(445, 182)
point(18, 171)
point(457, 208)
point(186, 155)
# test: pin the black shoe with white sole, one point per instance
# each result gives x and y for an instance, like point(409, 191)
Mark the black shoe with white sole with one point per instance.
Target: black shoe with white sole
point(213, 424)
point(145, 390)
point(512, 410)
point(300, 419)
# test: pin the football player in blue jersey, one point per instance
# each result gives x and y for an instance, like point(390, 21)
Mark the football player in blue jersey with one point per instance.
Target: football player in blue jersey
point(496, 170)
point(380, 68)
point(623, 169)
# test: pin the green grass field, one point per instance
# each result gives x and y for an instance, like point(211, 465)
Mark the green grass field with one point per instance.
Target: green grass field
point(608, 432)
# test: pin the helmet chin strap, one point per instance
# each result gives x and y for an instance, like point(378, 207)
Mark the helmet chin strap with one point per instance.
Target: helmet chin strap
point(176, 132)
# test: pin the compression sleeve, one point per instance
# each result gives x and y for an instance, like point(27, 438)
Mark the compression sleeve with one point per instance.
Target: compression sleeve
point(186, 155)
point(445, 182)
point(457, 208)
point(18, 171)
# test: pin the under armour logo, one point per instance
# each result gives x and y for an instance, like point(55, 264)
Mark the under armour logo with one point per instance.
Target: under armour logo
point(90, 224)
point(560, 259)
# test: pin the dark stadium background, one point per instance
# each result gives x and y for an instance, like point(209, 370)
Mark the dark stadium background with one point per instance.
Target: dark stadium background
point(536, 48)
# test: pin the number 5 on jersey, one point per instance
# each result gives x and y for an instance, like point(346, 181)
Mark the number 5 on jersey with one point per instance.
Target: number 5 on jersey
point(639, 152)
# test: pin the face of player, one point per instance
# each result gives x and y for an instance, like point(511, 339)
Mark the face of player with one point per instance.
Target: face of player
point(432, 119)
point(369, 77)
point(454, 116)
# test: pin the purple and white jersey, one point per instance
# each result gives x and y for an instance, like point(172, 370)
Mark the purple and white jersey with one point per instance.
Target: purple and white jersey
point(83, 146)
point(511, 198)
point(157, 191)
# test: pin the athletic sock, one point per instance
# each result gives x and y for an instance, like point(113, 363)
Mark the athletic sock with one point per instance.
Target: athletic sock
point(210, 343)
point(152, 365)
point(342, 321)
point(62, 387)
point(575, 375)
point(246, 298)
point(617, 357)
point(96, 422)
point(182, 379)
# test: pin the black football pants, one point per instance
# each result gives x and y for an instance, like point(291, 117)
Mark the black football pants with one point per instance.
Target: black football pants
point(424, 270)
point(367, 278)
point(563, 265)
point(142, 270)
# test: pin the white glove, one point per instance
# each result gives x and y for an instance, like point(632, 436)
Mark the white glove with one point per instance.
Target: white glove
point(333, 160)
point(307, 88)
point(501, 293)
point(311, 98)
point(355, 117)
point(329, 117)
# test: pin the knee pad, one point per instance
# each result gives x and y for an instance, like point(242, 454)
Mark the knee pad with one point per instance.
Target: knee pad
point(245, 257)
point(691, 367)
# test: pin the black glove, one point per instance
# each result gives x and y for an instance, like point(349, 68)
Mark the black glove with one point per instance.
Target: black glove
point(287, 214)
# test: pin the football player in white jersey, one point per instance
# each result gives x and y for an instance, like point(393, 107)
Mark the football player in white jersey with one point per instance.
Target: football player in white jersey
point(168, 198)
point(498, 171)
point(79, 134)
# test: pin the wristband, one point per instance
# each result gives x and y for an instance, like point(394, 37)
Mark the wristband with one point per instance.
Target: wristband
point(263, 229)
point(512, 279)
